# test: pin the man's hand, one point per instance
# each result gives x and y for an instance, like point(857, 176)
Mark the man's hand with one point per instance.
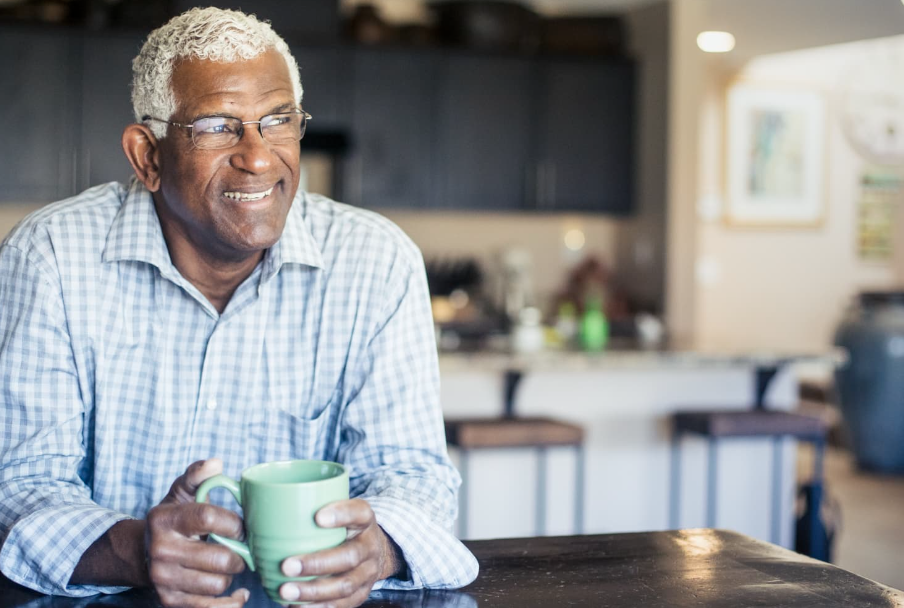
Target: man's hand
point(185, 570)
point(348, 571)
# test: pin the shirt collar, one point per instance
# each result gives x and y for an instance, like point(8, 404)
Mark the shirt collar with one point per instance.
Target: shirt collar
point(136, 235)
point(297, 244)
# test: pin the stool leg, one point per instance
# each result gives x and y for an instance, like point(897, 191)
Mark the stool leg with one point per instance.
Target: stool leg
point(712, 475)
point(540, 521)
point(820, 548)
point(463, 495)
point(579, 465)
point(776, 517)
point(819, 451)
point(675, 485)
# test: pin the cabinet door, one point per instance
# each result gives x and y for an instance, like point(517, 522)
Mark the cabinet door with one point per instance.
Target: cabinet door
point(586, 150)
point(325, 76)
point(106, 107)
point(39, 96)
point(393, 125)
point(485, 133)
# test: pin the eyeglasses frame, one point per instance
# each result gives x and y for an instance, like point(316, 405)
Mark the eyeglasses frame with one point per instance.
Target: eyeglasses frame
point(258, 122)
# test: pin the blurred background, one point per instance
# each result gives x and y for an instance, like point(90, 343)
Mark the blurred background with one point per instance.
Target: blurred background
point(631, 203)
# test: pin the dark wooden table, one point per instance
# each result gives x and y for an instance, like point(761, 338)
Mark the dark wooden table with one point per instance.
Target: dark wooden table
point(684, 568)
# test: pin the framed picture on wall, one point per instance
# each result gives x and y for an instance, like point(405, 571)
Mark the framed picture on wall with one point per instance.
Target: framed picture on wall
point(775, 156)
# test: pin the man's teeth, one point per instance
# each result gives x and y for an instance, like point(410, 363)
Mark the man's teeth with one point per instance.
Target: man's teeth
point(247, 196)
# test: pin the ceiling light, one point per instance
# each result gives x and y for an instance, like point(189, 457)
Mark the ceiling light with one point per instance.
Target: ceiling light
point(716, 42)
point(574, 239)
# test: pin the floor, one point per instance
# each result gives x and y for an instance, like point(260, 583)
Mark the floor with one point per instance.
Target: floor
point(870, 537)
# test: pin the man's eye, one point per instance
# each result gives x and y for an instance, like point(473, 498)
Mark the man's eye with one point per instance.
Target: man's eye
point(277, 120)
point(214, 126)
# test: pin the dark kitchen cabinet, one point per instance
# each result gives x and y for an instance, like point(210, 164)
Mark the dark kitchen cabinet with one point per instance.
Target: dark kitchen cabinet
point(485, 133)
point(427, 129)
point(39, 104)
point(585, 151)
point(392, 129)
point(106, 107)
point(326, 80)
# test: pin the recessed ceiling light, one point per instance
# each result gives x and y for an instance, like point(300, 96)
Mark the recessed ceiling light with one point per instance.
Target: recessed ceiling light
point(717, 42)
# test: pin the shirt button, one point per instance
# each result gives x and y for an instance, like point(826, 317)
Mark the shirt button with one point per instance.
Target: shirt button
point(212, 404)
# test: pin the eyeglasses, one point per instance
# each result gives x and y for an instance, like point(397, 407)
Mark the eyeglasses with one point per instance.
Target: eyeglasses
point(217, 132)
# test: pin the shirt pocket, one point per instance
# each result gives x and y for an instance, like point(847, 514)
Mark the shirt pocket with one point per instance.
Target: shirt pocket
point(284, 434)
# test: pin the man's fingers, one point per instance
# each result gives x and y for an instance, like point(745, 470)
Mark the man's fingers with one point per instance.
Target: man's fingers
point(192, 520)
point(355, 514)
point(346, 590)
point(186, 485)
point(199, 555)
point(170, 598)
point(196, 519)
point(177, 579)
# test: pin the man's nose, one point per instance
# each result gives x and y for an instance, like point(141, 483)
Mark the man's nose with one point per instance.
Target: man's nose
point(252, 153)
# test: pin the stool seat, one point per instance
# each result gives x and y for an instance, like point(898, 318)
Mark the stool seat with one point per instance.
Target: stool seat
point(749, 423)
point(715, 425)
point(513, 432)
point(538, 434)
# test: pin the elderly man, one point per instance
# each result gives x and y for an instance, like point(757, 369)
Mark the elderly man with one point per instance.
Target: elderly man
point(207, 317)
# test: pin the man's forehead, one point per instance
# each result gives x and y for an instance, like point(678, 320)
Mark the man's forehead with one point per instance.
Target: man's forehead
point(261, 79)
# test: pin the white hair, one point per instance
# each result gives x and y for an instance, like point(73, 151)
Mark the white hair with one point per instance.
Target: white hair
point(213, 34)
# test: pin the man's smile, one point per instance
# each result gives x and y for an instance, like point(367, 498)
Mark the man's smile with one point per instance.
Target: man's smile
point(248, 196)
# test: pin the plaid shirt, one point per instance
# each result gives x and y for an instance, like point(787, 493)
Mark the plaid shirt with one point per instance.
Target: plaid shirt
point(116, 374)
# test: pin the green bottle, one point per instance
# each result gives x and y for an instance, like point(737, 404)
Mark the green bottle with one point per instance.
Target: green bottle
point(594, 326)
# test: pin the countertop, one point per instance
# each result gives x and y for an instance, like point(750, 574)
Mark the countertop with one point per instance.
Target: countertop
point(628, 355)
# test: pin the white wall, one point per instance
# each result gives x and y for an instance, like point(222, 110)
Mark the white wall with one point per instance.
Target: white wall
point(770, 288)
point(11, 213)
point(786, 288)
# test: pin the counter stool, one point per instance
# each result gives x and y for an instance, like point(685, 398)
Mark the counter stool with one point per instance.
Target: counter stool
point(715, 425)
point(469, 434)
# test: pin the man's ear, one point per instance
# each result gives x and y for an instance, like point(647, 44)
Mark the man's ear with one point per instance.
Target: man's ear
point(143, 151)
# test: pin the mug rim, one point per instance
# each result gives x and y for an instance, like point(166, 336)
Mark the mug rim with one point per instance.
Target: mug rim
point(343, 471)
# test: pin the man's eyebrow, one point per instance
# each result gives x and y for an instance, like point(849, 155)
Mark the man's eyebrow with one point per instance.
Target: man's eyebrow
point(285, 107)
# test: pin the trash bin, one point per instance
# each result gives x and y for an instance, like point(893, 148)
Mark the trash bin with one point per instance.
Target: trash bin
point(871, 383)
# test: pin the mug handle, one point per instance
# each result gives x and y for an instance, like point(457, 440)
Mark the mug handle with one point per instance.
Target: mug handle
point(222, 481)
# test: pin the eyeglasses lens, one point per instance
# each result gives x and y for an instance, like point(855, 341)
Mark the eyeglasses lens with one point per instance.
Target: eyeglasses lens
point(216, 132)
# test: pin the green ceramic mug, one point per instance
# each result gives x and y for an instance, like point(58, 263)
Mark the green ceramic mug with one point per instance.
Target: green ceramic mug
point(279, 500)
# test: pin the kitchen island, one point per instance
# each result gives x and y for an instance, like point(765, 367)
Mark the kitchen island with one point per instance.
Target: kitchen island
point(623, 397)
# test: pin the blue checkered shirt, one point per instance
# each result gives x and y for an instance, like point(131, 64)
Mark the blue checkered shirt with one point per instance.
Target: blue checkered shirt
point(116, 374)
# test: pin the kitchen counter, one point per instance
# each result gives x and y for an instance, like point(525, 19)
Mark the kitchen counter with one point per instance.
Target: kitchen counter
point(627, 355)
point(624, 398)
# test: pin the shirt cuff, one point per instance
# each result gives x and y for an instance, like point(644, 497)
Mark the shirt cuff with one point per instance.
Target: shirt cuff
point(435, 558)
point(42, 550)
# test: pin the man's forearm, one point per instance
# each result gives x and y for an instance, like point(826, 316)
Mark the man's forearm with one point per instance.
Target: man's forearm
point(115, 559)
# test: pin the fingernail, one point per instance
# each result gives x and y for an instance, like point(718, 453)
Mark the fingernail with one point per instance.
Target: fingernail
point(291, 567)
point(246, 594)
point(289, 592)
point(326, 519)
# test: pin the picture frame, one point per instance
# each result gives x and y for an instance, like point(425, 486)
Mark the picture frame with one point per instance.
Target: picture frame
point(775, 156)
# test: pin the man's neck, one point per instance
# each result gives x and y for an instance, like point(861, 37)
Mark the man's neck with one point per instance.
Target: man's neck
point(216, 278)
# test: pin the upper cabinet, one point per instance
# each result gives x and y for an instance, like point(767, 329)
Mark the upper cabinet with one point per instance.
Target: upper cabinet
point(485, 136)
point(585, 153)
point(431, 129)
point(39, 101)
point(392, 130)
point(106, 107)
point(325, 76)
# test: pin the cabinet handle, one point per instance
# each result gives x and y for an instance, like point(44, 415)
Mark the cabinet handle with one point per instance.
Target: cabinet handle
point(541, 185)
point(551, 185)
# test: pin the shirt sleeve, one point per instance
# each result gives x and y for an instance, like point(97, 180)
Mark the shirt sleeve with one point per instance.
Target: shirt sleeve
point(47, 517)
point(394, 441)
